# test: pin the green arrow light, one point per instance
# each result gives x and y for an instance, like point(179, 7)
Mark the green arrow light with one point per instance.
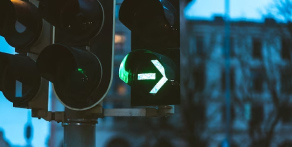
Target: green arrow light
point(147, 76)
point(125, 75)
point(157, 87)
point(162, 81)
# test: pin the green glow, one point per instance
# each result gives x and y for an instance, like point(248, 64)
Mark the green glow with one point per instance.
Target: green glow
point(162, 81)
point(123, 74)
point(81, 71)
point(147, 76)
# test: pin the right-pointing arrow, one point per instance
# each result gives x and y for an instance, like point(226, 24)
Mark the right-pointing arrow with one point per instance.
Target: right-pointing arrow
point(163, 80)
point(147, 76)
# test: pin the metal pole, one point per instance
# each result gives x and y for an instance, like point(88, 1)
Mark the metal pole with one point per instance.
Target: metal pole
point(79, 129)
point(79, 134)
point(227, 72)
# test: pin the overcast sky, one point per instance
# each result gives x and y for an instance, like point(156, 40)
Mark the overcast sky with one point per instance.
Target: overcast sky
point(239, 9)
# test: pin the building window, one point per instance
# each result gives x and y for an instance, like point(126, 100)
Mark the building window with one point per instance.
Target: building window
point(257, 81)
point(199, 77)
point(257, 48)
point(199, 112)
point(232, 79)
point(119, 43)
point(121, 89)
point(232, 113)
point(286, 49)
point(231, 46)
point(199, 45)
point(257, 114)
point(286, 82)
point(286, 113)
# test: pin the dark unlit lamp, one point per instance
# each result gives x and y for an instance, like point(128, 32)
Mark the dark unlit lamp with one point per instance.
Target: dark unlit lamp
point(75, 73)
point(19, 79)
point(81, 20)
point(20, 23)
point(153, 20)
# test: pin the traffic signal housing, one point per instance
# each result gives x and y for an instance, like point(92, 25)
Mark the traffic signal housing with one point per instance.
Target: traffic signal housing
point(19, 79)
point(75, 73)
point(76, 21)
point(152, 68)
point(20, 24)
point(23, 28)
point(80, 62)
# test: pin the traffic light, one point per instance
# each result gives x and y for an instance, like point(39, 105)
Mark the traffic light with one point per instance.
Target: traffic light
point(20, 24)
point(80, 62)
point(76, 21)
point(24, 29)
point(19, 78)
point(152, 68)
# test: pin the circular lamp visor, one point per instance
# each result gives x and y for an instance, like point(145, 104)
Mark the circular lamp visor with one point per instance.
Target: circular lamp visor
point(21, 25)
point(19, 79)
point(75, 73)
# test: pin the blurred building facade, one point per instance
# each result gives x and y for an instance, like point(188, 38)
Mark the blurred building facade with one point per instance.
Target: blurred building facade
point(260, 85)
point(260, 80)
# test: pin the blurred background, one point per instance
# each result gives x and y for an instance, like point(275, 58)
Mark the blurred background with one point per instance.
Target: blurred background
point(236, 84)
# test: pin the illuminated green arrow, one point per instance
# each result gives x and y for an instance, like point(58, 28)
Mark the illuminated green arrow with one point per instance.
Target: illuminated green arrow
point(162, 81)
point(152, 76)
point(125, 75)
point(147, 76)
